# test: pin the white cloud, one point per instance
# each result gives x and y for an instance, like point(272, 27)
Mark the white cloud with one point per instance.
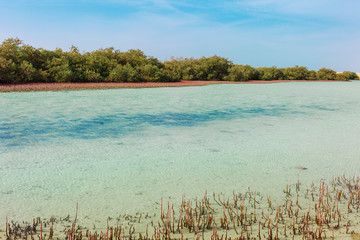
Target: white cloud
point(317, 8)
point(176, 32)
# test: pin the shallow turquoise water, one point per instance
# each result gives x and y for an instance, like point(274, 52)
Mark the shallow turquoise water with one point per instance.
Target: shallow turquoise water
point(120, 151)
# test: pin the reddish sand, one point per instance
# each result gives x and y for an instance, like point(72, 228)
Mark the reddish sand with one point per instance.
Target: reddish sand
point(79, 86)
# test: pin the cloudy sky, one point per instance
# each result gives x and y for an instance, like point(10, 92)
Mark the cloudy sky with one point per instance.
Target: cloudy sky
point(311, 33)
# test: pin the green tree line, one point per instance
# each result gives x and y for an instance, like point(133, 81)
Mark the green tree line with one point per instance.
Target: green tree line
point(21, 63)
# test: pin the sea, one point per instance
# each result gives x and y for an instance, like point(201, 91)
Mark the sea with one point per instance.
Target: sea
point(122, 151)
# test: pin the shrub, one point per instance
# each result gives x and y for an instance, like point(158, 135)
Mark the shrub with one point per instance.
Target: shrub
point(295, 73)
point(148, 73)
point(214, 68)
point(235, 74)
point(270, 73)
point(312, 75)
point(8, 71)
point(90, 75)
point(58, 70)
point(26, 72)
point(166, 75)
point(326, 74)
point(174, 68)
point(350, 75)
point(20, 63)
point(124, 73)
point(242, 73)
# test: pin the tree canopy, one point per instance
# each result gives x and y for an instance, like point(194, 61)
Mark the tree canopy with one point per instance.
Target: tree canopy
point(21, 63)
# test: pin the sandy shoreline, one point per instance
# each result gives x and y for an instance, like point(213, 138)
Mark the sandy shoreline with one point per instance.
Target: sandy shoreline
point(103, 85)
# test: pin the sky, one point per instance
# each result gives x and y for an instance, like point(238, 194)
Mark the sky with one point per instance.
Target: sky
point(282, 33)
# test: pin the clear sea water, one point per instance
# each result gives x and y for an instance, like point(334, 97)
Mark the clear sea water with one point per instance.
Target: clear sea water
point(119, 151)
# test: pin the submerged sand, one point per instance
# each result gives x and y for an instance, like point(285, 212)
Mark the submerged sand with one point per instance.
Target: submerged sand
point(320, 211)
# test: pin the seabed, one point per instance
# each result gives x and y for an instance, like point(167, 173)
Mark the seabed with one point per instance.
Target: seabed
point(320, 211)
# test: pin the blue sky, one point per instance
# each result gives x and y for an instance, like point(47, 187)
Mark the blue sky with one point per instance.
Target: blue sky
point(311, 33)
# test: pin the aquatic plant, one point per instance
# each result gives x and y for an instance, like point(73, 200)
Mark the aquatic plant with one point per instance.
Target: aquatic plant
point(328, 213)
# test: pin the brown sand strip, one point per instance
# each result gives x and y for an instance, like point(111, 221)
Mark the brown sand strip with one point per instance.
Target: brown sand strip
point(103, 85)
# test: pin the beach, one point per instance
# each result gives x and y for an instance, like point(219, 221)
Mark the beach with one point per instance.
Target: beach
point(105, 85)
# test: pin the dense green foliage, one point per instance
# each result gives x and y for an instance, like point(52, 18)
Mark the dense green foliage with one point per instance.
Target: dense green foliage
point(242, 73)
point(297, 72)
point(21, 63)
point(326, 74)
point(347, 76)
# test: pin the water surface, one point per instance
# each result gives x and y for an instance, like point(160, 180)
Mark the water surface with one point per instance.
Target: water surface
point(120, 151)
